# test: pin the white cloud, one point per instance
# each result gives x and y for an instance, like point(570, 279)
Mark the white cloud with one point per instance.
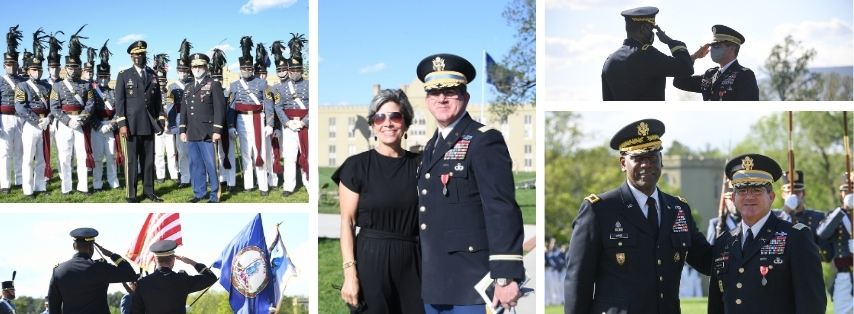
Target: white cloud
point(832, 40)
point(564, 52)
point(255, 6)
point(131, 37)
point(373, 68)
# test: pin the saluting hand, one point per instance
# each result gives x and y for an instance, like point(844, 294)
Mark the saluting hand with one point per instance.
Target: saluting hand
point(662, 37)
point(186, 260)
point(103, 250)
point(701, 53)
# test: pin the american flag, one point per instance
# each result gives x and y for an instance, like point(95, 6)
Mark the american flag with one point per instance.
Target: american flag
point(157, 226)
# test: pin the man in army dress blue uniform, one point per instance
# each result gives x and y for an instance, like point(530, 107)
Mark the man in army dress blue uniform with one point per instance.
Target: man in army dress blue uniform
point(140, 117)
point(471, 225)
point(637, 71)
point(202, 119)
point(766, 265)
point(165, 291)
point(80, 284)
point(32, 105)
point(629, 245)
point(836, 230)
point(730, 81)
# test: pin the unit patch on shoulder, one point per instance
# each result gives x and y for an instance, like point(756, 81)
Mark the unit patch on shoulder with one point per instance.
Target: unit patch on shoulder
point(485, 128)
point(593, 198)
point(682, 199)
point(799, 226)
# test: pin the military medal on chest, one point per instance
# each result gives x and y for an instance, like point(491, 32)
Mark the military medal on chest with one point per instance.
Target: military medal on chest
point(445, 178)
point(764, 271)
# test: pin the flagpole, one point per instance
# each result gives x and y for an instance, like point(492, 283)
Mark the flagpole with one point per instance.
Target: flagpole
point(282, 294)
point(483, 88)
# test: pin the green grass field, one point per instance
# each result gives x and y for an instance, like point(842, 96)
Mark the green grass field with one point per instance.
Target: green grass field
point(168, 191)
point(689, 306)
point(527, 198)
point(329, 272)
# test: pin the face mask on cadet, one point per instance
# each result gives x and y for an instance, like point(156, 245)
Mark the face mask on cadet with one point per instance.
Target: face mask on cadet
point(182, 76)
point(10, 69)
point(53, 72)
point(87, 76)
point(103, 81)
point(717, 54)
point(36, 75)
point(198, 73)
point(72, 73)
point(295, 76)
point(246, 75)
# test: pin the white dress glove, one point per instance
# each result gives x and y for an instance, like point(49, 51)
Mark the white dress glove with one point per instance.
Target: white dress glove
point(44, 123)
point(106, 128)
point(268, 130)
point(232, 132)
point(849, 201)
point(792, 202)
point(73, 123)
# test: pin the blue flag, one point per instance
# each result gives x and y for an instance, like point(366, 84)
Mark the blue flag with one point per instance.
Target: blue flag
point(245, 271)
point(283, 268)
point(503, 83)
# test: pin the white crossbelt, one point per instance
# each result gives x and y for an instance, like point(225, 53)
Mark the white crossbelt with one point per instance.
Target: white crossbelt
point(181, 85)
point(106, 102)
point(246, 87)
point(73, 92)
point(36, 89)
point(9, 80)
point(294, 92)
point(9, 306)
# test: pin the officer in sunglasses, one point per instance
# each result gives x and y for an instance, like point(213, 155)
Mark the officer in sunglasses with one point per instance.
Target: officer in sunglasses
point(730, 81)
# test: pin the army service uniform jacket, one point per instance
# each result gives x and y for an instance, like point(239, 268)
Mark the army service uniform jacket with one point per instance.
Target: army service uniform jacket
point(476, 227)
point(165, 291)
point(811, 218)
point(637, 72)
point(80, 284)
point(736, 83)
point(28, 101)
point(787, 255)
point(7, 93)
point(614, 254)
point(139, 102)
point(203, 110)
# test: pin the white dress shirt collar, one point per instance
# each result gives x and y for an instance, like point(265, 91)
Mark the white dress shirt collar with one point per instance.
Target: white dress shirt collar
point(641, 199)
point(451, 126)
point(755, 228)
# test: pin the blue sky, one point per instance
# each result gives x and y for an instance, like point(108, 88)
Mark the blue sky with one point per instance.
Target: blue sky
point(42, 241)
point(361, 45)
point(204, 23)
point(580, 34)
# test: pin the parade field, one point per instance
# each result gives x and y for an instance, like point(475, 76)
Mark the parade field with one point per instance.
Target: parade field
point(168, 191)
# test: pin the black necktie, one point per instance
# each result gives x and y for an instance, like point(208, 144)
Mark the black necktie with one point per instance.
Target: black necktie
point(748, 241)
point(652, 215)
point(438, 142)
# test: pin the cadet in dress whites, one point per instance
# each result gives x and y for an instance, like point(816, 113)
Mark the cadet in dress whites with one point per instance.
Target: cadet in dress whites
point(32, 105)
point(106, 143)
point(165, 291)
point(174, 99)
point(11, 146)
point(202, 117)
point(54, 65)
point(165, 142)
point(836, 229)
point(274, 152)
point(637, 71)
point(248, 98)
point(227, 144)
point(765, 265)
point(730, 81)
point(629, 245)
point(292, 108)
point(80, 284)
point(794, 206)
point(140, 117)
point(279, 89)
point(731, 217)
point(71, 102)
point(6, 306)
point(471, 225)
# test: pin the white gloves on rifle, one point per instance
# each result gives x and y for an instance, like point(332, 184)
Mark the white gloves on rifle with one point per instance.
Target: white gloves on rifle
point(74, 123)
point(106, 128)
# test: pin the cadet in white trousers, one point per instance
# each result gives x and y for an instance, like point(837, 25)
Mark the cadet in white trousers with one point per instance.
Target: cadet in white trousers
point(104, 127)
point(31, 99)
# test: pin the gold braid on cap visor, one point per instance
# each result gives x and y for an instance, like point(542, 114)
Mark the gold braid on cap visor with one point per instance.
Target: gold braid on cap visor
point(724, 37)
point(443, 79)
point(167, 253)
point(745, 178)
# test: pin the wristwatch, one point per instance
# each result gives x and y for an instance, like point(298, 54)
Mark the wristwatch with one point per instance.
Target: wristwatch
point(503, 281)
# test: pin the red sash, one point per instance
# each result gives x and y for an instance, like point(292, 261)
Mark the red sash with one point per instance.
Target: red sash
point(48, 171)
point(256, 124)
point(302, 160)
point(7, 110)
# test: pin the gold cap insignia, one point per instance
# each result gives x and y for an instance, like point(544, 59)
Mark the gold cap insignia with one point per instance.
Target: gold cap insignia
point(438, 64)
point(198, 57)
point(747, 163)
point(714, 30)
point(139, 44)
point(643, 129)
point(621, 258)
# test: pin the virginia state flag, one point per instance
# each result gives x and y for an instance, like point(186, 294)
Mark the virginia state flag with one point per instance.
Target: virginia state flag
point(504, 79)
point(245, 271)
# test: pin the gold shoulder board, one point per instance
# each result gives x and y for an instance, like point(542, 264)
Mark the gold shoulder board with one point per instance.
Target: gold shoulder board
point(644, 47)
point(55, 266)
point(682, 199)
point(593, 198)
point(799, 226)
point(485, 128)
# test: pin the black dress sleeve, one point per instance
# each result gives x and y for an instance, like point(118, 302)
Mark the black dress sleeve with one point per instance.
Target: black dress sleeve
point(351, 173)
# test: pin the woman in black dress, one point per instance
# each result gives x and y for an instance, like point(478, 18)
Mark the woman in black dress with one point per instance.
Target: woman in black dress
point(377, 191)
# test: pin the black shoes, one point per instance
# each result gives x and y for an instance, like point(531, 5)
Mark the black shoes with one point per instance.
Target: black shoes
point(265, 193)
point(154, 198)
point(160, 181)
point(287, 193)
point(194, 200)
point(132, 200)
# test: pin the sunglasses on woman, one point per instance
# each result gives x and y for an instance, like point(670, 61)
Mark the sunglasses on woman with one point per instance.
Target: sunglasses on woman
point(395, 117)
